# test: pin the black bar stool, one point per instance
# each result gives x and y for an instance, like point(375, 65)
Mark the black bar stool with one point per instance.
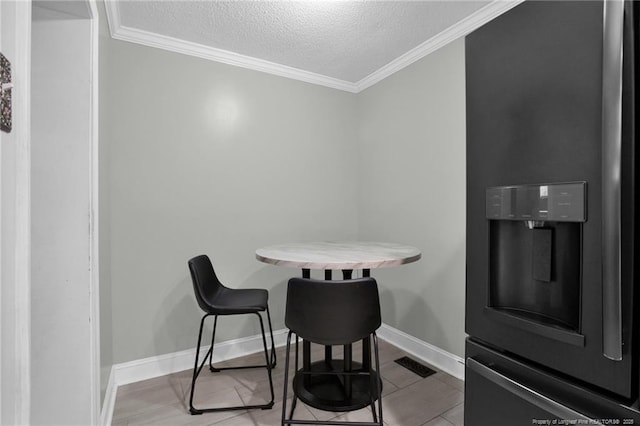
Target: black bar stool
point(334, 313)
point(215, 299)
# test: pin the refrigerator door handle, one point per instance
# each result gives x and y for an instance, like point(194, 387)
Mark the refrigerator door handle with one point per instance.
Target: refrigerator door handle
point(546, 404)
point(611, 163)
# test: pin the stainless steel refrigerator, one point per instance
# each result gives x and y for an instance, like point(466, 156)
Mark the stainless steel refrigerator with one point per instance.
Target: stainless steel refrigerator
point(551, 293)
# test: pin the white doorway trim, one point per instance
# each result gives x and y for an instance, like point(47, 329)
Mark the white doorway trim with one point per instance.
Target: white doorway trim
point(22, 123)
point(77, 322)
point(15, 196)
point(94, 220)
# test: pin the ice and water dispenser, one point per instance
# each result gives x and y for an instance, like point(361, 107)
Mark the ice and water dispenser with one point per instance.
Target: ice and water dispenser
point(535, 252)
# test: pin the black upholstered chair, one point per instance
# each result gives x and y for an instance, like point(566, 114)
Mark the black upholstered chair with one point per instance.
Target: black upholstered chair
point(334, 313)
point(215, 299)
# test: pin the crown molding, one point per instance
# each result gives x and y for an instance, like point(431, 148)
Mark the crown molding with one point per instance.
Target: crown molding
point(112, 8)
point(460, 29)
point(146, 38)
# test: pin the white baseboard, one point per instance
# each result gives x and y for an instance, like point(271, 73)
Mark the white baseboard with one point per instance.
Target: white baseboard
point(439, 358)
point(156, 366)
point(109, 403)
point(161, 365)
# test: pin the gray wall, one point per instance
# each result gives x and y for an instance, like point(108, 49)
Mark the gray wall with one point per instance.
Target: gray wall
point(411, 133)
point(203, 157)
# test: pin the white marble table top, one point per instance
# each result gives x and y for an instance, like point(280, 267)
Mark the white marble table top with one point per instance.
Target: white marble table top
point(338, 255)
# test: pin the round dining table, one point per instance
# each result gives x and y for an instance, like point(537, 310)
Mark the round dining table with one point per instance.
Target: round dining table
point(338, 255)
point(346, 256)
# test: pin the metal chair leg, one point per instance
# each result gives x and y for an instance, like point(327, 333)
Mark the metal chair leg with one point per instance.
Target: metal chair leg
point(267, 363)
point(272, 362)
point(295, 397)
point(196, 370)
point(209, 356)
point(273, 345)
point(213, 339)
point(379, 381)
point(286, 377)
point(372, 384)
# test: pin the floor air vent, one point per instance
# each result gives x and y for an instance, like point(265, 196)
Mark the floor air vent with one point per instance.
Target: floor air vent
point(413, 365)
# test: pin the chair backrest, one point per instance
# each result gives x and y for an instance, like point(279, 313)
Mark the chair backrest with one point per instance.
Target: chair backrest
point(333, 312)
point(205, 282)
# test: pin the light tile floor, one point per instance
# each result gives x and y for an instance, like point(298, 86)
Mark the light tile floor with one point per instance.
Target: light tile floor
point(408, 399)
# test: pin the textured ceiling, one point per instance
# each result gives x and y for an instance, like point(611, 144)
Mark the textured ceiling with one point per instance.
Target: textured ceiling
point(345, 40)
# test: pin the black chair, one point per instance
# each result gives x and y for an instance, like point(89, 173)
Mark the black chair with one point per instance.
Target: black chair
point(334, 313)
point(215, 299)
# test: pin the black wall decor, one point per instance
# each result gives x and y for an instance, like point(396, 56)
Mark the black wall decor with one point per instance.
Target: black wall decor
point(5, 94)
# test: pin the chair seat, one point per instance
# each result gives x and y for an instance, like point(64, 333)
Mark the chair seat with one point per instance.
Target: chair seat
point(230, 301)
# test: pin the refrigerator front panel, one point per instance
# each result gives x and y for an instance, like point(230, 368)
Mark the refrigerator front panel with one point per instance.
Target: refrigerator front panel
point(534, 119)
point(503, 391)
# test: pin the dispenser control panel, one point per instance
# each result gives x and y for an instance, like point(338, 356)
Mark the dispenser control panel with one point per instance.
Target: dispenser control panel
point(561, 202)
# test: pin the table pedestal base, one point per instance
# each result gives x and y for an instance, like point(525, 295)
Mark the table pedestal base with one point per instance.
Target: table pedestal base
point(328, 392)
